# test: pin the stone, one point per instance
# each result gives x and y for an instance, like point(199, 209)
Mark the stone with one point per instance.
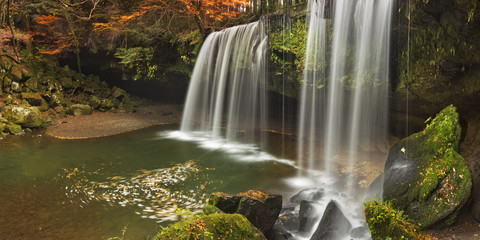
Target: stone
point(375, 190)
point(66, 82)
point(15, 87)
point(119, 93)
point(14, 129)
point(333, 225)
point(307, 216)
point(106, 104)
point(470, 150)
point(94, 102)
point(212, 226)
point(80, 109)
point(35, 99)
point(359, 232)
point(54, 99)
point(310, 194)
point(27, 117)
point(259, 208)
point(31, 84)
point(425, 176)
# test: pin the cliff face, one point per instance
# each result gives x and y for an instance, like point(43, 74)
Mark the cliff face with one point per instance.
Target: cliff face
point(437, 54)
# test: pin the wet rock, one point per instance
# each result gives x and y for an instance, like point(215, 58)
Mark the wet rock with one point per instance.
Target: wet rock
point(311, 194)
point(225, 202)
point(27, 117)
point(279, 233)
point(375, 190)
point(307, 216)
point(424, 174)
point(259, 208)
point(359, 232)
point(288, 221)
point(334, 224)
point(80, 109)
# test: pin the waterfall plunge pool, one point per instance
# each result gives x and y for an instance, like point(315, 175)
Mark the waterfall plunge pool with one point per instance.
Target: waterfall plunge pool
point(93, 188)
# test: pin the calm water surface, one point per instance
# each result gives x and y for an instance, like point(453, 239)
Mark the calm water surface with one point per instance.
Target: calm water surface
point(92, 189)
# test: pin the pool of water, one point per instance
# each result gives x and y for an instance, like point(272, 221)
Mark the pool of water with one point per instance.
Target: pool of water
point(94, 188)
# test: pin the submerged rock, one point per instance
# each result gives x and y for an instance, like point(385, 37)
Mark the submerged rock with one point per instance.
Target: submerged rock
point(334, 224)
point(310, 194)
point(213, 226)
point(259, 208)
point(424, 174)
point(27, 117)
point(307, 216)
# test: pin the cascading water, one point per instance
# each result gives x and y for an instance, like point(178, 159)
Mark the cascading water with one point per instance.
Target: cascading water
point(343, 101)
point(226, 94)
point(226, 102)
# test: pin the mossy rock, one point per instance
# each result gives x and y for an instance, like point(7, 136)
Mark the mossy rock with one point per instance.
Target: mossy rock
point(13, 128)
point(425, 175)
point(80, 109)
point(27, 117)
point(387, 223)
point(213, 226)
point(260, 208)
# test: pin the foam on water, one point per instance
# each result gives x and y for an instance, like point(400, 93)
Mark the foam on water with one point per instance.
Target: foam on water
point(238, 151)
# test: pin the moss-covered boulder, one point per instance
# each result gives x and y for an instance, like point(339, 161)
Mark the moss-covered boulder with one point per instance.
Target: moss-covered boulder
point(387, 223)
point(259, 208)
point(213, 226)
point(27, 117)
point(425, 175)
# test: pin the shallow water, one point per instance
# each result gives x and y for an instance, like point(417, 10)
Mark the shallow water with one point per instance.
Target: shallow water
point(92, 189)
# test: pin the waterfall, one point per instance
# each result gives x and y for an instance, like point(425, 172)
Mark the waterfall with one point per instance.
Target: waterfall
point(227, 97)
point(343, 100)
point(344, 95)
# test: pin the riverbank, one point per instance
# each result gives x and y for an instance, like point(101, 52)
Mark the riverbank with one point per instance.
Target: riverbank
point(101, 124)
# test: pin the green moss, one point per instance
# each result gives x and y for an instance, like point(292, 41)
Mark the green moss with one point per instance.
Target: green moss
point(13, 128)
point(387, 223)
point(213, 226)
point(209, 209)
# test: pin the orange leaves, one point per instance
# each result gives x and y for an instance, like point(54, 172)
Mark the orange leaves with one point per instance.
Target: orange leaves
point(46, 20)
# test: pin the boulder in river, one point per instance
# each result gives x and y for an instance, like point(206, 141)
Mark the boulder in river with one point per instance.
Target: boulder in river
point(259, 208)
point(424, 174)
point(333, 225)
point(310, 194)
